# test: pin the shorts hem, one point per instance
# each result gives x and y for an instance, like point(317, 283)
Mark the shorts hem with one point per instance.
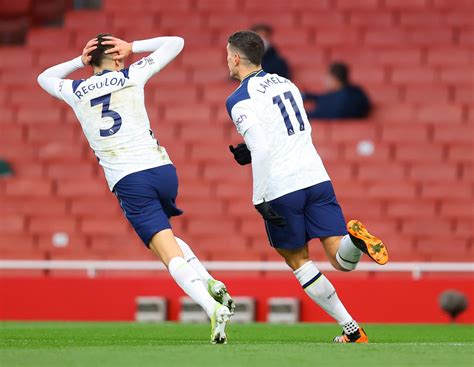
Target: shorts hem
point(153, 233)
point(328, 234)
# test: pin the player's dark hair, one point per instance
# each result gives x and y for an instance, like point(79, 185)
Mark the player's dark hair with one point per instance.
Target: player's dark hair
point(249, 44)
point(262, 27)
point(340, 71)
point(98, 54)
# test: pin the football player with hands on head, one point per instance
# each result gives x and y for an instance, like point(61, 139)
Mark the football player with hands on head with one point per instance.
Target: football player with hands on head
point(110, 107)
point(291, 188)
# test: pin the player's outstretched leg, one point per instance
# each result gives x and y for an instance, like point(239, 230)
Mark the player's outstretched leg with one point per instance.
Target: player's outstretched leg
point(321, 291)
point(216, 288)
point(164, 245)
point(367, 243)
point(344, 252)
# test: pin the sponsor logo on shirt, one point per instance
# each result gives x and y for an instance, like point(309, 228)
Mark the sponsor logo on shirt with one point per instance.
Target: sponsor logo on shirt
point(240, 119)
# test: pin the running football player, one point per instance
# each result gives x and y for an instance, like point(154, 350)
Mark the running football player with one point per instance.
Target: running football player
point(111, 110)
point(291, 188)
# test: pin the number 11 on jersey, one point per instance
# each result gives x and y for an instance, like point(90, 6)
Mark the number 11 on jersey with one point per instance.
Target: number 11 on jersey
point(284, 113)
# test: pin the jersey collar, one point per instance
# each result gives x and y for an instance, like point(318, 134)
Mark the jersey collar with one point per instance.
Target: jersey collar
point(105, 71)
point(253, 73)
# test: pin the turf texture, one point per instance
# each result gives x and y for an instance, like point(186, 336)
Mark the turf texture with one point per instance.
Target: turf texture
point(170, 344)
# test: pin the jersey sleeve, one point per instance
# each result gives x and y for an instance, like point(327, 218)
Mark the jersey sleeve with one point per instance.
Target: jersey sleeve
point(163, 51)
point(243, 116)
point(51, 80)
point(260, 150)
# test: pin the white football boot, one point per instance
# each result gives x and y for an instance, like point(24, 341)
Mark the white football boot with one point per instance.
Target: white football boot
point(218, 291)
point(219, 320)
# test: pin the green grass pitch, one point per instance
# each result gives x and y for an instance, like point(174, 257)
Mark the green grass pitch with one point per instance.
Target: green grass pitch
point(170, 344)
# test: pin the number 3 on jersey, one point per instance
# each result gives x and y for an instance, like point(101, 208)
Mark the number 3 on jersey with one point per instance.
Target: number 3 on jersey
point(106, 112)
point(284, 113)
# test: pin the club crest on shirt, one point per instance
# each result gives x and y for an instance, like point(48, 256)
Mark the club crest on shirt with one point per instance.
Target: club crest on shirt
point(139, 64)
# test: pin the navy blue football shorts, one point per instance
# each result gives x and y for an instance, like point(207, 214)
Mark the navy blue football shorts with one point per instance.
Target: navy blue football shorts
point(148, 200)
point(309, 213)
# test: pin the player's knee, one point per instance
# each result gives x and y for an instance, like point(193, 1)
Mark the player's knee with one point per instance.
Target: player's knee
point(335, 264)
point(296, 262)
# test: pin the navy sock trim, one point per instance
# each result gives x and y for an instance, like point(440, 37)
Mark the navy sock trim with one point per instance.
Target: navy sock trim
point(311, 281)
point(350, 262)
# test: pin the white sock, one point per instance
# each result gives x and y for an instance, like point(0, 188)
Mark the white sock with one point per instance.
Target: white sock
point(321, 291)
point(191, 284)
point(192, 259)
point(348, 255)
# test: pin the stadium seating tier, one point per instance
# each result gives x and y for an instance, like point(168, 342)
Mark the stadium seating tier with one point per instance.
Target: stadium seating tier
point(416, 188)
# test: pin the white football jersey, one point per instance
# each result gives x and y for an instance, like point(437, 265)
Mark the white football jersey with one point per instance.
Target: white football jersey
point(276, 104)
point(110, 107)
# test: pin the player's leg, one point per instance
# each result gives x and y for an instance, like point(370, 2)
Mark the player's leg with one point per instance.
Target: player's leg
point(320, 290)
point(325, 220)
point(291, 243)
point(341, 252)
point(164, 245)
point(345, 252)
point(141, 196)
point(216, 288)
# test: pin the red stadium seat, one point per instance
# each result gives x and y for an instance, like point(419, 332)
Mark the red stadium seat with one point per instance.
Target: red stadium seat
point(461, 152)
point(401, 134)
point(48, 12)
point(434, 172)
point(82, 187)
point(205, 227)
point(442, 114)
point(456, 76)
point(12, 223)
point(93, 208)
point(457, 190)
point(25, 169)
point(453, 133)
point(109, 225)
point(426, 95)
point(372, 171)
point(49, 225)
point(202, 208)
point(412, 210)
point(419, 153)
point(14, 9)
point(68, 170)
point(34, 206)
point(463, 209)
point(29, 188)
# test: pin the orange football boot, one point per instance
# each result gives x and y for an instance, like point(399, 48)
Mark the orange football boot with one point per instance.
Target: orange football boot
point(367, 243)
point(358, 337)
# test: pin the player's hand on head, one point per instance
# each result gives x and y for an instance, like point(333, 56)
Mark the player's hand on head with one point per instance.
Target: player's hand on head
point(122, 49)
point(91, 45)
point(270, 215)
point(241, 154)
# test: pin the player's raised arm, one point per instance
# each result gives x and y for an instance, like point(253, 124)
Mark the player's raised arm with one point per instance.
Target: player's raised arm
point(163, 51)
point(51, 80)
